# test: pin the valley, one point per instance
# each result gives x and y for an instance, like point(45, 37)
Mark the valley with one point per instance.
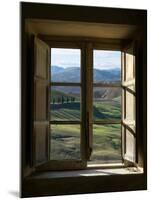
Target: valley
point(65, 105)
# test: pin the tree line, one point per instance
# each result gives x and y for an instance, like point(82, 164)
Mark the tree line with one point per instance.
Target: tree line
point(62, 100)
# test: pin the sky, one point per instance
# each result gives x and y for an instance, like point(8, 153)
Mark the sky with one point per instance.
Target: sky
point(71, 58)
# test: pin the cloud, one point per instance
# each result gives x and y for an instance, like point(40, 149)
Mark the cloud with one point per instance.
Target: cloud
point(106, 59)
point(71, 58)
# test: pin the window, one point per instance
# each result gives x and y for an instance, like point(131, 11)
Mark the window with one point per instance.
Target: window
point(66, 106)
point(90, 105)
point(106, 127)
point(83, 119)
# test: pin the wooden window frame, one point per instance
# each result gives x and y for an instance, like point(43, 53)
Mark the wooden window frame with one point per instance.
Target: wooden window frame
point(109, 47)
point(70, 164)
point(86, 122)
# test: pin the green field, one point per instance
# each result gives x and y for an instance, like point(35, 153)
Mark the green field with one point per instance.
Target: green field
point(107, 109)
point(65, 139)
point(106, 143)
point(65, 143)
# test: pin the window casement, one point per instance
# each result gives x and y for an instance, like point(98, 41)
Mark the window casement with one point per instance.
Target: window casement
point(41, 103)
point(45, 125)
point(129, 111)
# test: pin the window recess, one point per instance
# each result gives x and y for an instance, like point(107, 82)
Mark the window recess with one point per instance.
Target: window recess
point(73, 116)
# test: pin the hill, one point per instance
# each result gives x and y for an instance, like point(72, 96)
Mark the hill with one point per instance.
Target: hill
point(72, 74)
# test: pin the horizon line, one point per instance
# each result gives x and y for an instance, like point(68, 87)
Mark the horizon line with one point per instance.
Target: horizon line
point(94, 67)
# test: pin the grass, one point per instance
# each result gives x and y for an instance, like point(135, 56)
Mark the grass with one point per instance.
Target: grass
point(71, 111)
point(65, 139)
point(65, 111)
point(106, 143)
point(109, 109)
point(65, 143)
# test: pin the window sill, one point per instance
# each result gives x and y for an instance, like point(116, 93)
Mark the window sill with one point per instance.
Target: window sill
point(85, 173)
point(83, 181)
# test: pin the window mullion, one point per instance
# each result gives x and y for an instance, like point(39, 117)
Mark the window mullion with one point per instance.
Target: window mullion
point(89, 98)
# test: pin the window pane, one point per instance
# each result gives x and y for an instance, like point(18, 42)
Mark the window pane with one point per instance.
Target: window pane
point(65, 142)
point(106, 66)
point(130, 144)
point(130, 104)
point(106, 103)
point(65, 103)
point(106, 144)
point(65, 65)
point(130, 70)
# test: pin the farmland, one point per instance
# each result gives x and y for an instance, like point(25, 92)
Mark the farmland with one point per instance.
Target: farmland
point(66, 105)
point(65, 139)
point(65, 143)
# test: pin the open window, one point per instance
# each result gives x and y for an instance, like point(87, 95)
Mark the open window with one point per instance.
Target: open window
point(106, 112)
point(83, 123)
point(84, 111)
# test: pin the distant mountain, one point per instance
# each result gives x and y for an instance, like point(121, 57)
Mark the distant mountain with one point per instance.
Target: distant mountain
point(60, 74)
point(72, 74)
point(106, 75)
point(56, 69)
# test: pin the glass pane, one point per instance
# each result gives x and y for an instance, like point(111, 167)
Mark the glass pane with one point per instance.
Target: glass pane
point(130, 71)
point(65, 142)
point(106, 66)
point(106, 103)
point(65, 65)
point(65, 103)
point(130, 144)
point(106, 144)
point(130, 106)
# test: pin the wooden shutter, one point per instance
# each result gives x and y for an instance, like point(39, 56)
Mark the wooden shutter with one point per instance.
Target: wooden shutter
point(128, 105)
point(41, 100)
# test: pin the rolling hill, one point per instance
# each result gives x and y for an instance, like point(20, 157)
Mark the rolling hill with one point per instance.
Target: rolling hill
point(72, 74)
point(66, 106)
